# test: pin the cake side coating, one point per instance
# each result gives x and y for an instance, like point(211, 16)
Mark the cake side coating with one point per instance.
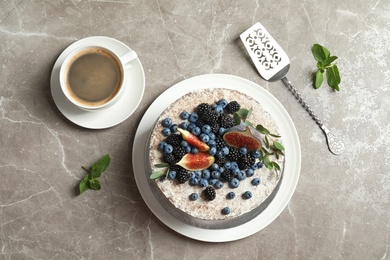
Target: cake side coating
point(178, 194)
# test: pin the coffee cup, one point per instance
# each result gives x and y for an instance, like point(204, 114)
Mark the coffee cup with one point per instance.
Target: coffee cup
point(94, 77)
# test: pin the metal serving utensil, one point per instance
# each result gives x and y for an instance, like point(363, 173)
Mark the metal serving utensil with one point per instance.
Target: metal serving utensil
point(273, 64)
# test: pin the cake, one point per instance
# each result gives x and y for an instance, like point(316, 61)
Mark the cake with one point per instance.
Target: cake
point(217, 195)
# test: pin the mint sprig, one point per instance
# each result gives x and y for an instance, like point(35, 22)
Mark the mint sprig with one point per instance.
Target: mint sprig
point(272, 146)
point(90, 180)
point(325, 65)
point(158, 174)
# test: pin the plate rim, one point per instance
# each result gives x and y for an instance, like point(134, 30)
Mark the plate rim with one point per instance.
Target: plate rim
point(216, 235)
point(73, 113)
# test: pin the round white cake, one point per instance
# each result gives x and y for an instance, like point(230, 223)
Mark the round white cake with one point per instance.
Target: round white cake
point(254, 186)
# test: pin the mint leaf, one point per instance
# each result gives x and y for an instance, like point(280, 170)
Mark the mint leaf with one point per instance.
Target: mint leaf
point(83, 185)
point(100, 166)
point(156, 175)
point(278, 146)
point(329, 61)
point(319, 78)
point(333, 77)
point(94, 184)
point(320, 53)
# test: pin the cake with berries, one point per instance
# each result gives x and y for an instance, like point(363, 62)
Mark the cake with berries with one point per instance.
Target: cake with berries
point(215, 158)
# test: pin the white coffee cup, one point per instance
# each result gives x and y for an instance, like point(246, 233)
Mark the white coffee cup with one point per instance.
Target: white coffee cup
point(94, 77)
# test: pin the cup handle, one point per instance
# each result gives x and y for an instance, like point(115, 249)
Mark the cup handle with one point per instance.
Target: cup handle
point(128, 57)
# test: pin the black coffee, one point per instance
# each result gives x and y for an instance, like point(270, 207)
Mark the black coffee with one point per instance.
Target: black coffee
point(93, 77)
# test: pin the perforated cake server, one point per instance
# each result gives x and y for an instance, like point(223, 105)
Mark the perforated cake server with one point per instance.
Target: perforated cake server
point(273, 64)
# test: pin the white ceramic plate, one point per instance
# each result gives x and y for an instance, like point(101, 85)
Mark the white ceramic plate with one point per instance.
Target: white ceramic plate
point(290, 142)
point(109, 116)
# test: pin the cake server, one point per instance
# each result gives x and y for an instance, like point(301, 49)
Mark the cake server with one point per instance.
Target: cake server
point(273, 64)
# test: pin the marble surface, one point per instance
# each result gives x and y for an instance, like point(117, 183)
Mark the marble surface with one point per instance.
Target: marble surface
point(341, 206)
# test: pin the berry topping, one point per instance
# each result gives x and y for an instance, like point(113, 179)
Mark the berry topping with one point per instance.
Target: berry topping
point(209, 193)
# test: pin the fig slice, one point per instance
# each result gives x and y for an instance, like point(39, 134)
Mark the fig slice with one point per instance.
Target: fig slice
point(193, 140)
point(243, 136)
point(196, 162)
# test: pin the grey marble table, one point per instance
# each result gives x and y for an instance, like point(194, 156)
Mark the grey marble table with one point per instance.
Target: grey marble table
point(341, 205)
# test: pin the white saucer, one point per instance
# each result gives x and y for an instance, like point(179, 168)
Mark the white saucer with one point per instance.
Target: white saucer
point(109, 116)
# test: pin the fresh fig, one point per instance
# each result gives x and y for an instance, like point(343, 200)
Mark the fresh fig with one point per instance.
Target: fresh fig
point(195, 162)
point(243, 136)
point(193, 140)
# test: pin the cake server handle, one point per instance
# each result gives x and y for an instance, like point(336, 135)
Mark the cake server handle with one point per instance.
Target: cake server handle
point(335, 145)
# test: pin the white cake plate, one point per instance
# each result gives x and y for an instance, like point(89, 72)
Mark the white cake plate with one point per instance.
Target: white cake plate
point(290, 142)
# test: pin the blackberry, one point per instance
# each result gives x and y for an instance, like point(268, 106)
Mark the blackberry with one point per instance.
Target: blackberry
point(232, 107)
point(220, 160)
point(226, 121)
point(182, 175)
point(174, 139)
point(245, 161)
point(200, 123)
point(211, 117)
point(220, 142)
point(234, 154)
point(227, 175)
point(179, 152)
point(203, 109)
point(209, 193)
point(214, 128)
point(169, 158)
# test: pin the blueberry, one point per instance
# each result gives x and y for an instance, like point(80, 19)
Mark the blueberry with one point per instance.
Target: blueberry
point(184, 115)
point(249, 172)
point(188, 149)
point(203, 183)
point(221, 131)
point(184, 143)
point(218, 185)
point(255, 181)
point(230, 195)
point(184, 125)
point(234, 183)
point(172, 175)
point(194, 182)
point(204, 138)
point(215, 174)
point(218, 109)
point(235, 171)
point(243, 150)
point(226, 211)
point(191, 126)
point(194, 196)
point(214, 166)
point(206, 129)
point(247, 195)
point(167, 122)
point(255, 153)
point(213, 105)
point(161, 146)
point(206, 174)
point(241, 175)
point(213, 181)
point(222, 102)
point(233, 165)
point(196, 174)
point(194, 150)
point(225, 150)
point(212, 136)
point(212, 150)
point(226, 165)
point(168, 148)
point(259, 165)
point(166, 132)
point(174, 128)
point(221, 169)
point(196, 131)
point(212, 142)
point(193, 117)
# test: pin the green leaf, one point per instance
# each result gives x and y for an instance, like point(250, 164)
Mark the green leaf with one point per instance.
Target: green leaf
point(278, 146)
point(320, 66)
point(249, 112)
point(319, 79)
point(329, 60)
point(276, 166)
point(156, 175)
point(262, 129)
point(94, 184)
point(161, 165)
point(320, 53)
point(246, 122)
point(333, 77)
point(274, 135)
point(266, 141)
point(267, 162)
point(100, 166)
point(243, 113)
point(83, 185)
point(237, 119)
